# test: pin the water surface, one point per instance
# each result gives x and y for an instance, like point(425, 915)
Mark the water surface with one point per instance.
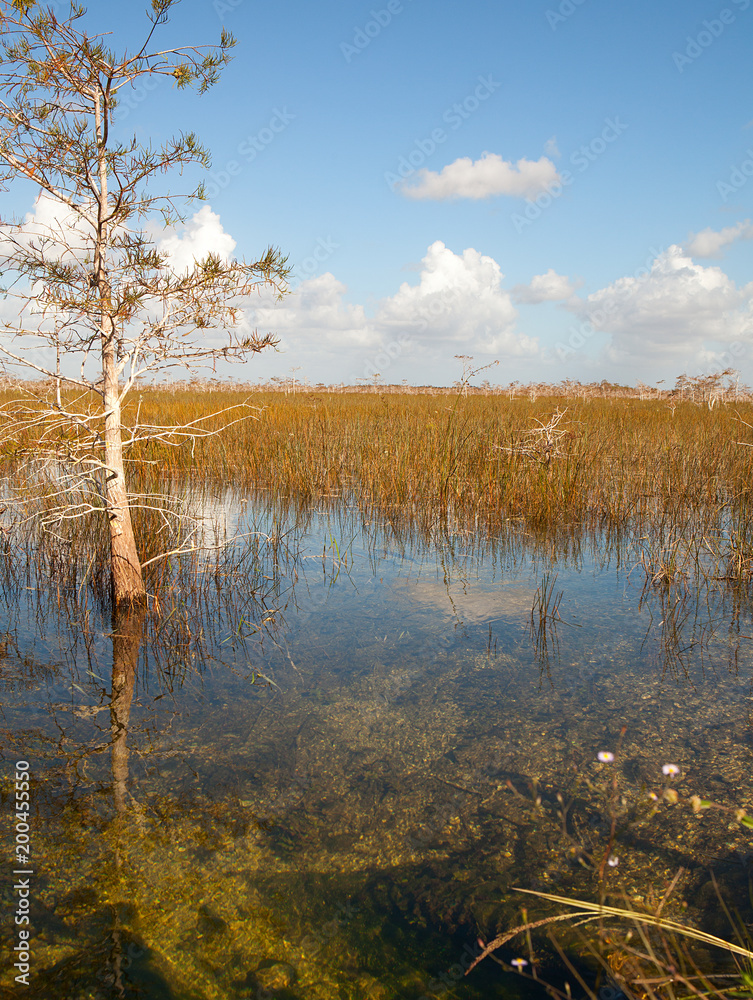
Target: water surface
point(326, 777)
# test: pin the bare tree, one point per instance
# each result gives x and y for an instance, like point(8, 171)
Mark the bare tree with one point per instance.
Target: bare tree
point(91, 283)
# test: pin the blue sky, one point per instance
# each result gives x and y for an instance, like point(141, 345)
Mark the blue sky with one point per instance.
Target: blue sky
point(578, 205)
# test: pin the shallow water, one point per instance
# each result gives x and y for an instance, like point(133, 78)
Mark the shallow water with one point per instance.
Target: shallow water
point(326, 780)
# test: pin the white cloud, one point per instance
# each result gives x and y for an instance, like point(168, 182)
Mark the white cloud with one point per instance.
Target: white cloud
point(484, 178)
point(66, 235)
point(201, 235)
point(672, 313)
point(459, 300)
point(549, 287)
point(315, 315)
point(457, 306)
point(53, 233)
point(57, 231)
point(709, 242)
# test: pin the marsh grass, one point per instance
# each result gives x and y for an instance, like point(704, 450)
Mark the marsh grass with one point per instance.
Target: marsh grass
point(665, 491)
point(673, 488)
point(55, 578)
point(624, 459)
point(614, 458)
point(646, 957)
point(545, 617)
point(668, 489)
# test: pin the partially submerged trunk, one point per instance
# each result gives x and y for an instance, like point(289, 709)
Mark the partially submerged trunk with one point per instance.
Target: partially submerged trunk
point(128, 627)
point(127, 579)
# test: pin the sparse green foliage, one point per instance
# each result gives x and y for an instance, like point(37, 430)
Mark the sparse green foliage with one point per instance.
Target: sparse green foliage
point(93, 287)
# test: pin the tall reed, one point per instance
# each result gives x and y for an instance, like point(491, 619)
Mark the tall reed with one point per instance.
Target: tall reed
point(674, 475)
point(622, 461)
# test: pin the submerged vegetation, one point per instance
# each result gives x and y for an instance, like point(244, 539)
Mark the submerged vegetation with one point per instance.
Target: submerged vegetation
point(278, 804)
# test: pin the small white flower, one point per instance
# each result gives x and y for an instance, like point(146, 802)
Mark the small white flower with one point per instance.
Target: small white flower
point(519, 963)
point(670, 769)
point(605, 756)
point(613, 860)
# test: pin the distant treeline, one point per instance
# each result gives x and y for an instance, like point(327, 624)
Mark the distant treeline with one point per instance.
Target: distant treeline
point(718, 387)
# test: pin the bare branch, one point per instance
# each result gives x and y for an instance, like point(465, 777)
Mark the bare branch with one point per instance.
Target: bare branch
point(95, 286)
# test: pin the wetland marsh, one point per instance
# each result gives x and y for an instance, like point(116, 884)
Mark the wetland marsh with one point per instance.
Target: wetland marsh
point(323, 758)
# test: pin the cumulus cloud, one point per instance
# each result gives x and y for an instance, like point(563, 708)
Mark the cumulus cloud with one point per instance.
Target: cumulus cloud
point(483, 178)
point(201, 235)
point(709, 242)
point(459, 299)
point(458, 305)
point(55, 230)
point(50, 232)
point(673, 313)
point(315, 315)
point(65, 235)
point(549, 287)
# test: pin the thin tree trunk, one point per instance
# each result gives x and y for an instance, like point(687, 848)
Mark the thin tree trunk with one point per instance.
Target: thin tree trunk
point(127, 579)
point(128, 628)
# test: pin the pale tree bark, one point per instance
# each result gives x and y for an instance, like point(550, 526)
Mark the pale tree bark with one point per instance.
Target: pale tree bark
point(127, 578)
point(93, 282)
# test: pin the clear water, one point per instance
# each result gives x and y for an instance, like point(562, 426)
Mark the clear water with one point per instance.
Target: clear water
point(322, 780)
